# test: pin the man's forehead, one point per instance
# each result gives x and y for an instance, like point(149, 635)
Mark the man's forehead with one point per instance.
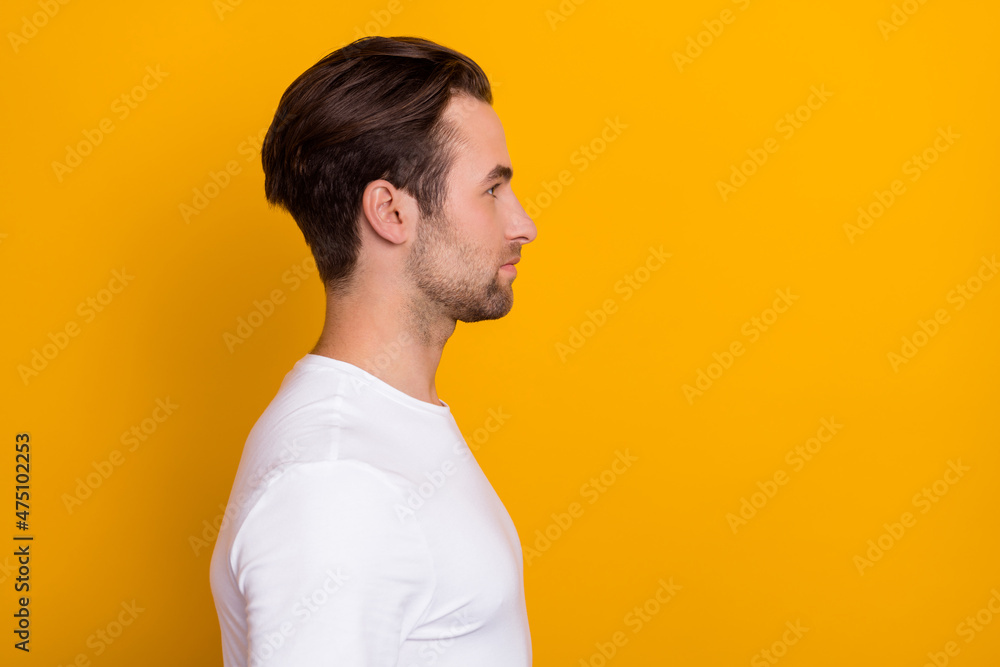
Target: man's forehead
point(462, 105)
point(479, 134)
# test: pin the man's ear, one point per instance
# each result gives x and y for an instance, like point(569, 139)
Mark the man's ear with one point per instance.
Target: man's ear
point(391, 212)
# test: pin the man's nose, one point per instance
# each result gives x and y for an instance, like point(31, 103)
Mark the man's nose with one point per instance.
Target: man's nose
point(524, 225)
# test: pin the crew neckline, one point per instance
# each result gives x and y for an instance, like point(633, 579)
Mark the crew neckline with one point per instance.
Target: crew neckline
point(377, 383)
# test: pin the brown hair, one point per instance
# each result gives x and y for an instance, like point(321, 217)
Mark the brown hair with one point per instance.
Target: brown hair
point(367, 111)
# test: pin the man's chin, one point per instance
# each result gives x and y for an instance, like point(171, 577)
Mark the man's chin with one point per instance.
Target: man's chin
point(494, 312)
point(483, 317)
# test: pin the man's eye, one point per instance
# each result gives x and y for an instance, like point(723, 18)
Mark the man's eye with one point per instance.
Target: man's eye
point(493, 188)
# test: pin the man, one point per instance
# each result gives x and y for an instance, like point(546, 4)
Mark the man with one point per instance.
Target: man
point(360, 530)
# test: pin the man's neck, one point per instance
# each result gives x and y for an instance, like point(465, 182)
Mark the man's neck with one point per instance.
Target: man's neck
point(396, 342)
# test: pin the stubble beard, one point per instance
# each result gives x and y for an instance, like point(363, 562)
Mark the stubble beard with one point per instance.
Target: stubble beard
point(453, 278)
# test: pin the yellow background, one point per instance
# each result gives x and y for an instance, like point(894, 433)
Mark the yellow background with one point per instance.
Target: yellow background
point(557, 83)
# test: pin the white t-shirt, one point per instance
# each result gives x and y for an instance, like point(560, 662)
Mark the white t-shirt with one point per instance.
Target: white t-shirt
point(361, 531)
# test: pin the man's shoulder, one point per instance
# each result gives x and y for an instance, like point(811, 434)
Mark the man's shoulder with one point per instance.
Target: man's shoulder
point(346, 477)
point(321, 415)
point(311, 479)
point(299, 418)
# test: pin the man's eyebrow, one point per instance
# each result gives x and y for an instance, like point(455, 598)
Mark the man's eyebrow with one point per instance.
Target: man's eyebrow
point(501, 172)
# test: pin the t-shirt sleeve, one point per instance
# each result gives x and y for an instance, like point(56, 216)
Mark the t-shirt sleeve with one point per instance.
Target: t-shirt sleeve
point(330, 571)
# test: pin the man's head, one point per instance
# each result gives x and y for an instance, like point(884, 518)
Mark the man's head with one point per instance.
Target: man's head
point(386, 153)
